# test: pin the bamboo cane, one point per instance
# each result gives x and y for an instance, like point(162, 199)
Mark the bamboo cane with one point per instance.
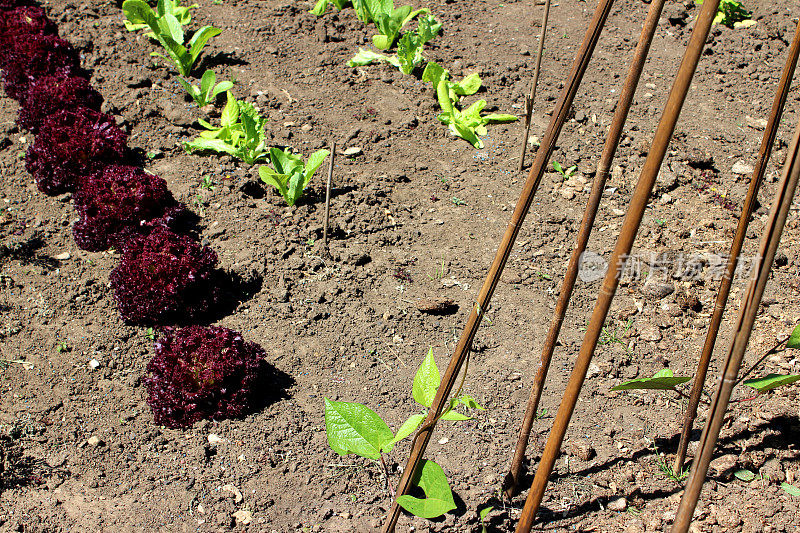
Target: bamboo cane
point(744, 327)
point(328, 197)
point(741, 230)
point(504, 250)
point(630, 227)
point(610, 148)
point(530, 99)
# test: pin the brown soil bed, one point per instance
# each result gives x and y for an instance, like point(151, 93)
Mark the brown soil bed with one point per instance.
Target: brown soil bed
point(417, 215)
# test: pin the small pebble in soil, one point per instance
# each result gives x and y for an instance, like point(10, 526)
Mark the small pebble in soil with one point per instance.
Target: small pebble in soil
point(352, 151)
point(243, 517)
point(215, 440)
point(617, 504)
point(581, 449)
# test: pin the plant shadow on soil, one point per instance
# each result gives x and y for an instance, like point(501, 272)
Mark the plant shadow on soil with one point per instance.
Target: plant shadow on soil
point(26, 252)
point(774, 433)
point(18, 470)
point(220, 59)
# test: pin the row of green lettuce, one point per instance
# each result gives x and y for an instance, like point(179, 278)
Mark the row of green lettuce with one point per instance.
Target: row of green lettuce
point(240, 132)
point(390, 22)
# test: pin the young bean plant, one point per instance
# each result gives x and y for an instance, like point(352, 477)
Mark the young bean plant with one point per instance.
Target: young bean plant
point(355, 428)
point(665, 380)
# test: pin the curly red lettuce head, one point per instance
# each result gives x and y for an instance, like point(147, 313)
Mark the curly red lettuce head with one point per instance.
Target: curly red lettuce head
point(12, 4)
point(119, 202)
point(50, 94)
point(204, 373)
point(21, 22)
point(34, 56)
point(71, 144)
point(164, 278)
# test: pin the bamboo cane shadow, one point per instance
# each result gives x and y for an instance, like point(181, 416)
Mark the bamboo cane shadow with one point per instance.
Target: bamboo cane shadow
point(779, 432)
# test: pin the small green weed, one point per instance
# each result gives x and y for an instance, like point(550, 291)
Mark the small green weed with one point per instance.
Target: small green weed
point(566, 174)
point(437, 273)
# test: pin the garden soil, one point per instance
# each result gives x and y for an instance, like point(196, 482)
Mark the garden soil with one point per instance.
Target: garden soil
point(416, 216)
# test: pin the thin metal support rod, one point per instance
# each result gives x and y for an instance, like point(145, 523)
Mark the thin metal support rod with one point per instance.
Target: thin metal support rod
point(530, 99)
point(741, 335)
point(609, 149)
point(767, 141)
point(622, 249)
point(328, 197)
point(538, 168)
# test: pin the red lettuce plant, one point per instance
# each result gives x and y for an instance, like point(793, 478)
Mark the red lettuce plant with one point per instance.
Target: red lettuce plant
point(21, 22)
point(119, 202)
point(33, 56)
point(204, 372)
point(50, 94)
point(165, 277)
point(73, 143)
point(11, 4)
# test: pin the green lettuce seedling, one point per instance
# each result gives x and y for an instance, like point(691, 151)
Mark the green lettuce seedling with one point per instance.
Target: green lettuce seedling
point(434, 73)
point(409, 48)
point(390, 21)
point(731, 13)
point(322, 5)
point(468, 124)
point(355, 428)
point(289, 175)
point(167, 30)
point(368, 57)
point(240, 133)
point(208, 90)
point(181, 13)
point(360, 6)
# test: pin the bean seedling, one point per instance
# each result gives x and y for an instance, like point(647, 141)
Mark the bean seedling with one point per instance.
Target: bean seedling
point(665, 380)
point(566, 174)
point(355, 428)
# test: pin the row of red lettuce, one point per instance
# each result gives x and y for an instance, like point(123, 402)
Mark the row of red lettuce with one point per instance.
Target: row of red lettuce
point(165, 276)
